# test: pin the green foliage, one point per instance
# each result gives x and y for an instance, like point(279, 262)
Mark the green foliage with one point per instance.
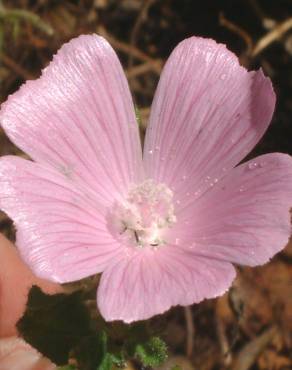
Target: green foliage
point(109, 361)
point(18, 15)
point(138, 116)
point(54, 324)
point(15, 17)
point(106, 363)
point(152, 353)
point(61, 328)
point(94, 354)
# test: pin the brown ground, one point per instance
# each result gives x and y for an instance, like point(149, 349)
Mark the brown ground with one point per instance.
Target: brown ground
point(251, 327)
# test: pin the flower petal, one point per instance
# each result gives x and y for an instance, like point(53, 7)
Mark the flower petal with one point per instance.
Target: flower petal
point(151, 281)
point(79, 117)
point(208, 113)
point(62, 232)
point(245, 217)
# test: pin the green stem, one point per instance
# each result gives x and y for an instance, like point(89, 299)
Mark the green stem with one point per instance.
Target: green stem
point(21, 14)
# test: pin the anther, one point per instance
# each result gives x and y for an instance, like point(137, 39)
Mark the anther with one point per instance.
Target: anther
point(143, 217)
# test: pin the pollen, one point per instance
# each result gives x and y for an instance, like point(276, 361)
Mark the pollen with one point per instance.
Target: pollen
point(144, 216)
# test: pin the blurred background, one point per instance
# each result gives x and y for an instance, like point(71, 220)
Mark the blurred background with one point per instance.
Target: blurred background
point(251, 327)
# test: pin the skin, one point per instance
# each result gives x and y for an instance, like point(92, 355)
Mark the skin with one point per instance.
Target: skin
point(15, 281)
point(15, 354)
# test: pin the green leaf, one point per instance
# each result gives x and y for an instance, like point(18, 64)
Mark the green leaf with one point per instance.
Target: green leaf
point(118, 359)
point(17, 14)
point(106, 363)
point(109, 361)
point(152, 353)
point(94, 354)
point(15, 30)
point(138, 115)
point(67, 367)
point(91, 352)
point(54, 324)
point(176, 367)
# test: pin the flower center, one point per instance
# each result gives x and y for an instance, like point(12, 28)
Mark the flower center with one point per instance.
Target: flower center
point(143, 217)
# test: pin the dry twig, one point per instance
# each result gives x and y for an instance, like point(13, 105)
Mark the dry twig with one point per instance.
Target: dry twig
point(141, 69)
point(249, 353)
point(156, 64)
point(11, 64)
point(190, 331)
point(253, 50)
point(267, 22)
point(274, 35)
point(142, 16)
point(223, 340)
point(239, 31)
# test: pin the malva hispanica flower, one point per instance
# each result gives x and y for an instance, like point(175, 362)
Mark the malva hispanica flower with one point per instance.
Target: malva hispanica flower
point(163, 227)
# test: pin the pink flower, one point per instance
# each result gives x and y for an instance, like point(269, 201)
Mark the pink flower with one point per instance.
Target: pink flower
point(15, 354)
point(164, 229)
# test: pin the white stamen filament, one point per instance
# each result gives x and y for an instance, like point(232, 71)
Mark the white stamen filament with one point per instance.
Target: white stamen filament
point(143, 218)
